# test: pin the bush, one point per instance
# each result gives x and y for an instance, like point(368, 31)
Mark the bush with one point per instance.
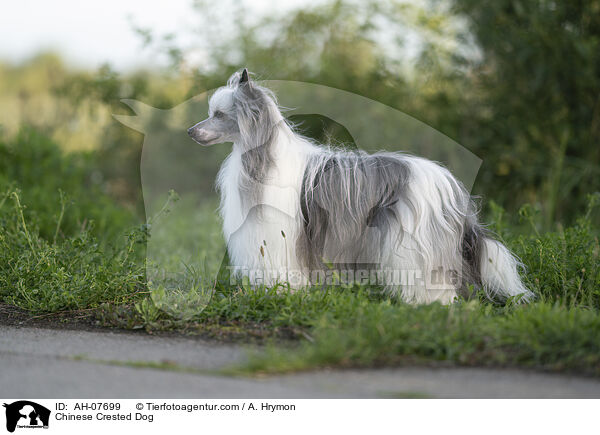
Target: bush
point(63, 243)
point(562, 266)
point(50, 182)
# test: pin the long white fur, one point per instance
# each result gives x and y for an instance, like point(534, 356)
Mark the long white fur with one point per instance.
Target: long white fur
point(261, 234)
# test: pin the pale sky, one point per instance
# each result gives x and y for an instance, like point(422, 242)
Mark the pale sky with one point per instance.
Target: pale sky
point(89, 33)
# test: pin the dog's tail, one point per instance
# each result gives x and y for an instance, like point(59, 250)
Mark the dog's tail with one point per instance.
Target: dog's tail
point(492, 265)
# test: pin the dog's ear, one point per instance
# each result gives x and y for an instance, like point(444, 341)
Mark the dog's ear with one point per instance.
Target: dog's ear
point(244, 78)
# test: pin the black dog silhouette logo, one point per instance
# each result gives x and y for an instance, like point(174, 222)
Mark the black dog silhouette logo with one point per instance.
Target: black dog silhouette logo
point(26, 414)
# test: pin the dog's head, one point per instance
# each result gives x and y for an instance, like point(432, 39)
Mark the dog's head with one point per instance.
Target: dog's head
point(240, 112)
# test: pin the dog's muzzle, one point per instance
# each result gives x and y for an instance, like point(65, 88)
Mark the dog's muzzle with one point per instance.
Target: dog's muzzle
point(200, 136)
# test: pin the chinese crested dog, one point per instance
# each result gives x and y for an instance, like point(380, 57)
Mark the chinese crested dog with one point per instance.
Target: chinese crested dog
point(294, 211)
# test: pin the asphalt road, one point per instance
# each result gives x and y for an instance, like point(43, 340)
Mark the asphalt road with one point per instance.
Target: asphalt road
point(47, 363)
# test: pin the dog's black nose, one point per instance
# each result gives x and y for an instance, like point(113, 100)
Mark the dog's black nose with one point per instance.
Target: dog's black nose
point(190, 130)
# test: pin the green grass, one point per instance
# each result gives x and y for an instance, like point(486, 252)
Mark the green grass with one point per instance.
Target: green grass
point(58, 254)
point(49, 262)
point(67, 274)
point(541, 335)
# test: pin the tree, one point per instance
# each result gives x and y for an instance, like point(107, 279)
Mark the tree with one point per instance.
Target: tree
point(537, 112)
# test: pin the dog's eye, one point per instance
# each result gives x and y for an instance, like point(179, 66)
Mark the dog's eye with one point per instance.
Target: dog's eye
point(218, 114)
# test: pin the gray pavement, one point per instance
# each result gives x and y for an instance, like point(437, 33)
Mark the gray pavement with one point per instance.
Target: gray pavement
point(46, 363)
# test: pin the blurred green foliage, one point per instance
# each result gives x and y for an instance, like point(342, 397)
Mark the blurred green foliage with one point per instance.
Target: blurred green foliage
point(49, 182)
point(516, 82)
point(537, 99)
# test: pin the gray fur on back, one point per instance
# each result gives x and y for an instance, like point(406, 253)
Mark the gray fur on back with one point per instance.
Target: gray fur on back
point(347, 204)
